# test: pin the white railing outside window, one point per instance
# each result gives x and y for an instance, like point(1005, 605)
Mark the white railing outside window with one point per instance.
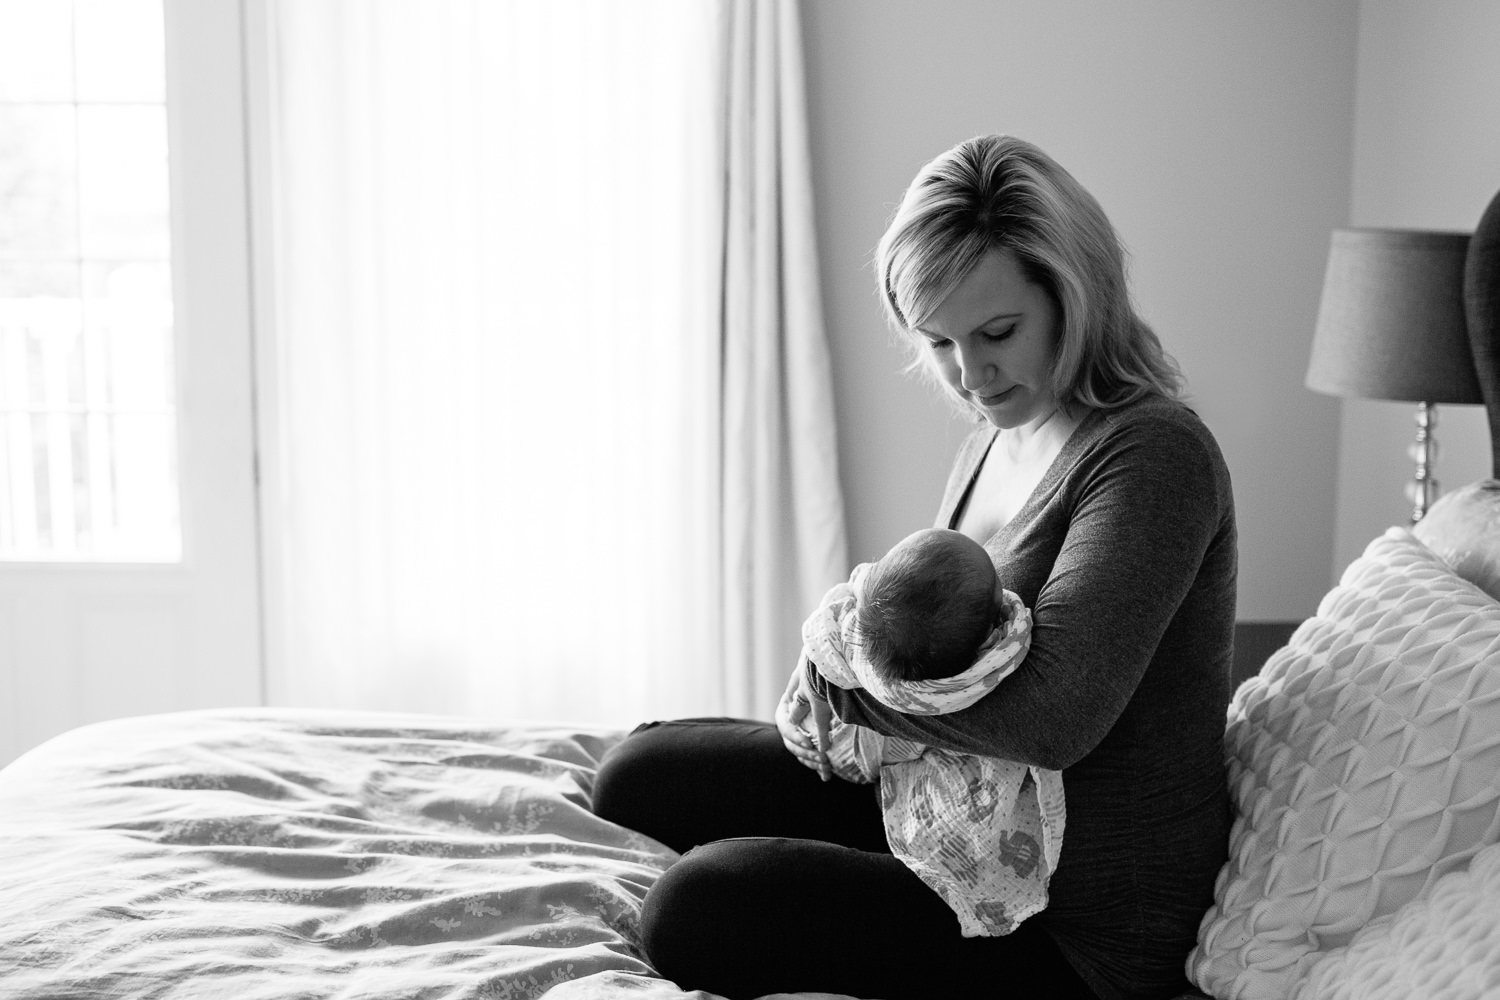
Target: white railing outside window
point(87, 456)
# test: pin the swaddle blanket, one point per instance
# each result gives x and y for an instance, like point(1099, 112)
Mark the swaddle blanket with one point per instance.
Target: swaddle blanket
point(985, 834)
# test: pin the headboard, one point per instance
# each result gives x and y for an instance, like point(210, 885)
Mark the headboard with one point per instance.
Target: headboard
point(1482, 310)
point(1464, 526)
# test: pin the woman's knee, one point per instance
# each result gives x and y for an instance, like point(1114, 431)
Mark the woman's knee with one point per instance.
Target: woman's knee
point(758, 886)
point(691, 781)
point(686, 895)
point(748, 916)
point(629, 768)
point(696, 926)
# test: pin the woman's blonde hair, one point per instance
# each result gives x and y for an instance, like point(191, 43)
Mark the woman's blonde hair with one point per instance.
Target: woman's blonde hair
point(997, 192)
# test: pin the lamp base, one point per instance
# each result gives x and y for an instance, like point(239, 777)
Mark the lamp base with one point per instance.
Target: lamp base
point(1423, 490)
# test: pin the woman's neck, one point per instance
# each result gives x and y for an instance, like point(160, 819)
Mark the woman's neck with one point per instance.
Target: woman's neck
point(1043, 436)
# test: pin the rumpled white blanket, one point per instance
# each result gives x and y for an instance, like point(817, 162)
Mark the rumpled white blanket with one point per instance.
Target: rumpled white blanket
point(266, 854)
point(985, 834)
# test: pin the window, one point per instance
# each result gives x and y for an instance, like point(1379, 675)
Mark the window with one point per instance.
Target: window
point(87, 397)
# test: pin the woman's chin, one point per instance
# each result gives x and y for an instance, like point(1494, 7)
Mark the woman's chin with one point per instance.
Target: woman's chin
point(1003, 417)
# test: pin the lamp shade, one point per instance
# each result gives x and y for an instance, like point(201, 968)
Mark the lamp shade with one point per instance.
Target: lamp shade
point(1391, 321)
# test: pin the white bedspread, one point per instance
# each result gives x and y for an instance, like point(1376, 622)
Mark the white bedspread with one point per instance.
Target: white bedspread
point(282, 854)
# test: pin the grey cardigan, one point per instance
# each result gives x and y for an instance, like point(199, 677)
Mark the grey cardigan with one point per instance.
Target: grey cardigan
point(1126, 554)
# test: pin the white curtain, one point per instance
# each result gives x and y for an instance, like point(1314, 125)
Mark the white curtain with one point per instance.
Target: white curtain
point(547, 416)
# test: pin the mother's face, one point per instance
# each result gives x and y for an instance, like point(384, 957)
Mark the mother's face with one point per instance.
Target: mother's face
point(993, 341)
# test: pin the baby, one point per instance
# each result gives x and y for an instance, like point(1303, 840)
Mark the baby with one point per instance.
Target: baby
point(928, 629)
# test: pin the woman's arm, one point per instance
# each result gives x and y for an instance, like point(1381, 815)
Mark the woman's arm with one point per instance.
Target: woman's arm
point(1141, 512)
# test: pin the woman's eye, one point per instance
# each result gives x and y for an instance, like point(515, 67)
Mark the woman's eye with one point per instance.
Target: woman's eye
point(995, 336)
point(940, 345)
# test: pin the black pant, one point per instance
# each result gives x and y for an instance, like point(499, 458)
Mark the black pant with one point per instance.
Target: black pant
point(787, 883)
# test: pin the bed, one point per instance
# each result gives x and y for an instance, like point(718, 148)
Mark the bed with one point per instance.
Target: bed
point(277, 853)
point(258, 854)
point(282, 853)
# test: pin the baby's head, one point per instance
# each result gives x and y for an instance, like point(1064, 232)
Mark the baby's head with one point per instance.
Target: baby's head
point(927, 606)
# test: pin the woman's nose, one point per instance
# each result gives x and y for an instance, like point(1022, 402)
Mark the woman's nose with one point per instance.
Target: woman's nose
point(974, 372)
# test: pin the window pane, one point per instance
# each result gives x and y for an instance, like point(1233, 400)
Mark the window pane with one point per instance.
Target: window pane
point(17, 494)
point(88, 444)
point(145, 501)
point(38, 181)
point(22, 279)
point(133, 280)
point(120, 51)
point(92, 486)
point(130, 364)
point(41, 464)
point(38, 351)
point(122, 167)
point(78, 461)
point(127, 313)
point(36, 50)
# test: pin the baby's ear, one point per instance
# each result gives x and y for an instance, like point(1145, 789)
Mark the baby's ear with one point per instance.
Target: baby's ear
point(1002, 606)
point(993, 639)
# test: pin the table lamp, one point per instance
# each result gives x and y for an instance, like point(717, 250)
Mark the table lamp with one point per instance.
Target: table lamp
point(1391, 326)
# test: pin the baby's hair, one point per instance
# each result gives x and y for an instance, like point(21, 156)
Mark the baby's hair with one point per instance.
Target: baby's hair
point(924, 613)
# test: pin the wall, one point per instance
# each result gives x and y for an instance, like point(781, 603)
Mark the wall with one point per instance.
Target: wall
point(1219, 139)
point(1426, 156)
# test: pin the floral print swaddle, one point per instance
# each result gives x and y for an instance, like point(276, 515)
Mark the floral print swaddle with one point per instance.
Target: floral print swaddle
point(985, 834)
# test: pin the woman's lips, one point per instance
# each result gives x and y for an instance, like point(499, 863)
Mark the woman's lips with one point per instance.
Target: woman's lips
point(994, 400)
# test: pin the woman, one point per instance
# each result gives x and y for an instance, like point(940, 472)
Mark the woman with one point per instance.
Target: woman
point(1106, 505)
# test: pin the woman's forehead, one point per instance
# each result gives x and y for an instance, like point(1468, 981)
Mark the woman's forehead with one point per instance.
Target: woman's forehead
point(994, 289)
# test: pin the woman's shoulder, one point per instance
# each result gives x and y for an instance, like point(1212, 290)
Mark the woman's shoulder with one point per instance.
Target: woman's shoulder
point(1155, 432)
point(1155, 417)
point(1153, 409)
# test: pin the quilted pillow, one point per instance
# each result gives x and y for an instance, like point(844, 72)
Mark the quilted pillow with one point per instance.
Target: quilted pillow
point(1441, 947)
point(1362, 764)
point(1464, 528)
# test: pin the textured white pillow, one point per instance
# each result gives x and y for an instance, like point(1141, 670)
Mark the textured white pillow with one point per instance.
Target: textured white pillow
point(1445, 946)
point(1362, 764)
point(1463, 527)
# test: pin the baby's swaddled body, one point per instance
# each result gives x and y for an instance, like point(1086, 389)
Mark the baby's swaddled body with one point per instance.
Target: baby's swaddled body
point(983, 833)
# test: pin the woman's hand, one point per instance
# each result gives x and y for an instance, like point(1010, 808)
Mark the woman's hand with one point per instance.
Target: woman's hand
point(796, 702)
